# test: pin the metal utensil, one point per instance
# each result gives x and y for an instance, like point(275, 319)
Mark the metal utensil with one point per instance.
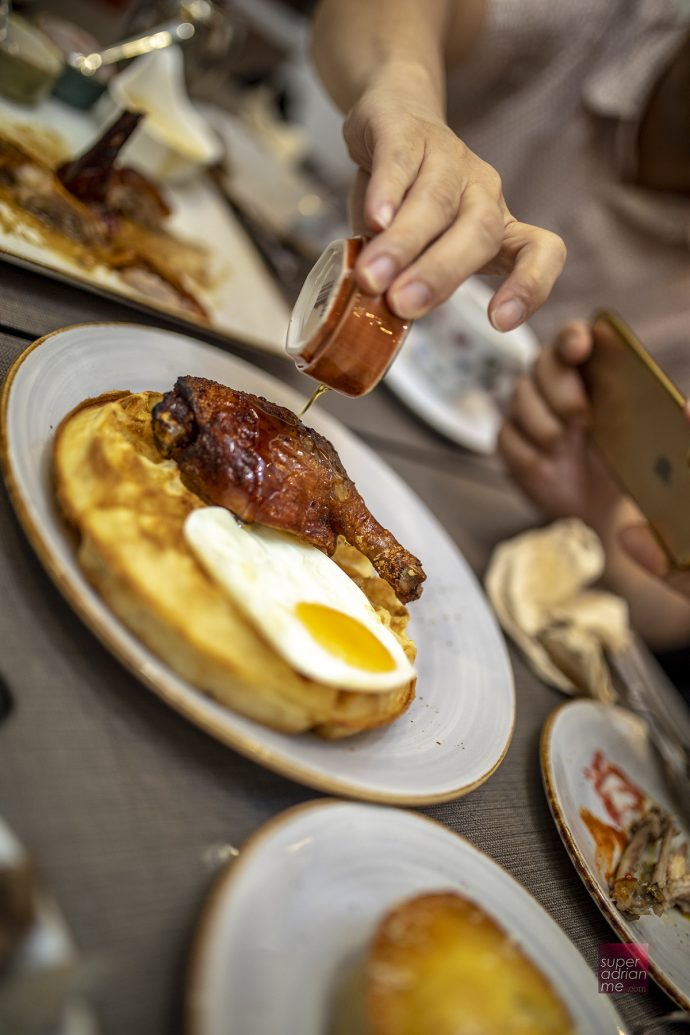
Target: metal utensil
point(191, 13)
point(642, 694)
point(89, 64)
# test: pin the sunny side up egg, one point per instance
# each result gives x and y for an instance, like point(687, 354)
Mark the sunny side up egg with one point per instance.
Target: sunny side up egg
point(304, 605)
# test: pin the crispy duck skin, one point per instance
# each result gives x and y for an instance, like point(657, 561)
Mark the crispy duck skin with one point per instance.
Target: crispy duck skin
point(95, 180)
point(88, 176)
point(132, 195)
point(260, 461)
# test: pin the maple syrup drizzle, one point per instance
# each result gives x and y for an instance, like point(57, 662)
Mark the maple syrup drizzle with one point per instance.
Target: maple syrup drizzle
point(316, 394)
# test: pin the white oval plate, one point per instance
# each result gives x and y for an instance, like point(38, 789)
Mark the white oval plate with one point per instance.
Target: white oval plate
point(243, 300)
point(457, 730)
point(571, 736)
point(287, 919)
point(455, 370)
point(47, 944)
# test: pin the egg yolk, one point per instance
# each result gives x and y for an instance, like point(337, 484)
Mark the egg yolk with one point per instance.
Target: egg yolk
point(345, 637)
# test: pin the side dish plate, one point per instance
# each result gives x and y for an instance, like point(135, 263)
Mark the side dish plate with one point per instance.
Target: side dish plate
point(288, 919)
point(457, 372)
point(572, 735)
point(457, 730)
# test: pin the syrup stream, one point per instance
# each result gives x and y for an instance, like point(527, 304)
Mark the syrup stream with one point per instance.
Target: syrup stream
point(316, 394)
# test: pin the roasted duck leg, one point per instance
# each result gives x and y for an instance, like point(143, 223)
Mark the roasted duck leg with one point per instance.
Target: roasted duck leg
point(88, 176)
point(95, 179)
point(257, 459)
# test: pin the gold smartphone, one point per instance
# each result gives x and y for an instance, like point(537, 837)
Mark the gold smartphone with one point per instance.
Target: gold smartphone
point(637, 424)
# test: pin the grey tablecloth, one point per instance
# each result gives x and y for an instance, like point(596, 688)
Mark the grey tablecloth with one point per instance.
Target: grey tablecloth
point(123, 803)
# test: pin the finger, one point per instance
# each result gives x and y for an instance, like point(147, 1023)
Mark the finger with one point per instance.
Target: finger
point(356, 206)
point(573, 344)
point(640, 543)
point(430, 206)
point(518, 454)
point(468, 243)
point(535, 258)
point(533, 417)
point(561, 387)
point(391, 159)
point(394, 169)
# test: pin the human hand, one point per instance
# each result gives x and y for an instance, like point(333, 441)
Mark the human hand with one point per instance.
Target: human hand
point(641, 545)
point(544, 441)
point(545, 447)
point(439, 215)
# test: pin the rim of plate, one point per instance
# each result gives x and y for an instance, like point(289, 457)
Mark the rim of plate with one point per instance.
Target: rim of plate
point(402, 379)
point(188, 323)
point(242, 742)
point(578, 859)
point(232, 870)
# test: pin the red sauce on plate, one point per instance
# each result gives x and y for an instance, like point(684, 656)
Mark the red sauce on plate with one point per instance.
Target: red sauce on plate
point(618, 795)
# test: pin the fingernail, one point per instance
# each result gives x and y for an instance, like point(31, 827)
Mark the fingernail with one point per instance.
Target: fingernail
point(379, 273)
point(384, 216)
point(411, 300)
point(508, 315)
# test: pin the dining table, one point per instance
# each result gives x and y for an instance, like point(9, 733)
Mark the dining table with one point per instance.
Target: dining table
point(129, 811)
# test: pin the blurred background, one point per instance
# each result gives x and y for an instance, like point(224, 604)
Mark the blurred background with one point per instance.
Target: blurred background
point(248, 56)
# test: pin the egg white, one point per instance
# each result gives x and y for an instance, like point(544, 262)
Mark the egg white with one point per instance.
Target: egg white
point(267, 573)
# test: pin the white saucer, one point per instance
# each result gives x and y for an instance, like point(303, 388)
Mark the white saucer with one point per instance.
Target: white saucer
point(455, 370)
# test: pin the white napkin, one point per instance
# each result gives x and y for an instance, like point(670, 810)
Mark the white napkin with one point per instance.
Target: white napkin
point(537, 584)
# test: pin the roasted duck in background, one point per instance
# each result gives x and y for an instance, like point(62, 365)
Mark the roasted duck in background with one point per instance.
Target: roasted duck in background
point(94, 178)
point(88, 176)
point(97, 212)
point(261, 462)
